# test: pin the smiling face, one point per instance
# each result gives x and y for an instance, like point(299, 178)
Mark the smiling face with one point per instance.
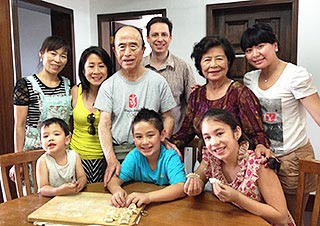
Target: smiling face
point(214, 64)
point(262, 55)
point(53, 138)
point(128, 48)
point(159, 38)
point(220, 139)
point(147, 139)
point(54, 61)
point(95, 70)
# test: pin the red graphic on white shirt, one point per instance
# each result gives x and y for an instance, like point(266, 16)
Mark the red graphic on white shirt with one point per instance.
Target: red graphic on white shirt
point(270, 116)
point(133, 100)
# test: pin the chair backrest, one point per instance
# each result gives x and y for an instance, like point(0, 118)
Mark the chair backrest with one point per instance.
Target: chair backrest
point(307, 167)
point(19, 160)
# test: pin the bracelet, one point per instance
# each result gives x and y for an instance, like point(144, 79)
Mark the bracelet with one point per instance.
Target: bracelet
point(193, 175)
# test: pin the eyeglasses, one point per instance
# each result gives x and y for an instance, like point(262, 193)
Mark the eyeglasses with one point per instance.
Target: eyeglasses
point(91, 129)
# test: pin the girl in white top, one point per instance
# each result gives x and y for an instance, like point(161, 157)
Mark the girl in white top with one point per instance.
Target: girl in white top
point(59, 170)
point(285, 92)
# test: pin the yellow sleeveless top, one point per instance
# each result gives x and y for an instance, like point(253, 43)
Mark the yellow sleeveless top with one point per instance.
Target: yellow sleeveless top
point(87, 145)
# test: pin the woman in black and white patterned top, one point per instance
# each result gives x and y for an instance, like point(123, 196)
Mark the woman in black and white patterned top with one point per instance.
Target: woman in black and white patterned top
point(42, 95)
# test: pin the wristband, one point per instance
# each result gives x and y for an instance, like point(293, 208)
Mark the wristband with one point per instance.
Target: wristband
point(193, 175)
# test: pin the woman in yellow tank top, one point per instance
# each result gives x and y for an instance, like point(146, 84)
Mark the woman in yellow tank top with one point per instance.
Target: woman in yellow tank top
point(94, 68)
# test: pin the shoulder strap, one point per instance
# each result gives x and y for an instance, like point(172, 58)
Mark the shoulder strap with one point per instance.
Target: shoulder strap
point(66, 82)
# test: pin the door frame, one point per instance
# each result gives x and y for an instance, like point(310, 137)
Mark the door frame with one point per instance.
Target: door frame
point(294, 21)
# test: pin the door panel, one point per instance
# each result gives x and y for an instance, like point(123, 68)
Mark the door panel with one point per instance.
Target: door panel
point(231, 20)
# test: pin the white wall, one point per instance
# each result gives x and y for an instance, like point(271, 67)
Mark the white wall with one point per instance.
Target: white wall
point(33, 29)
point(189, 20)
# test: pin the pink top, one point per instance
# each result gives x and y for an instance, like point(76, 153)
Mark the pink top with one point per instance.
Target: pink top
point(246, 178)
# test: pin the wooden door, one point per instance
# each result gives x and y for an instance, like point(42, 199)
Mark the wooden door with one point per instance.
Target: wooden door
point(232, 19)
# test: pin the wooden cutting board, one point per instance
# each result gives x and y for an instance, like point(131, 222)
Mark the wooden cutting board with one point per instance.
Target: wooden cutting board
point(81, 209)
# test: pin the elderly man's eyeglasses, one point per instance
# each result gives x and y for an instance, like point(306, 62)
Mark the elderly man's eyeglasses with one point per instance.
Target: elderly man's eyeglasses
point(91, 129)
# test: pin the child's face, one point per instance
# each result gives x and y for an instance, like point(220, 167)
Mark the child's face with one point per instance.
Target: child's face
point(53, 138)
point(147, 139)
point(220, 139)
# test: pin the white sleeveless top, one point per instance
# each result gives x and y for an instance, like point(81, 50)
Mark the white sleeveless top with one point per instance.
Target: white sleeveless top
point(58, 174)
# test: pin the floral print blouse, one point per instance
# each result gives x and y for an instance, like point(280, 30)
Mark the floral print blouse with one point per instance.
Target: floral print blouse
point(246, 178)
point(239, 100)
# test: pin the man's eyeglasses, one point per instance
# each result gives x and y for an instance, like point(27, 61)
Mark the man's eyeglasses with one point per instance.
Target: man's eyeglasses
point(91, 129)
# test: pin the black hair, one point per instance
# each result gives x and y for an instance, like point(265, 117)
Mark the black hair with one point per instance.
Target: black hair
point(104, 56)
point(258, 33)
point(159, 19)
point(207, 43)
point(150, 116)
point(221, 115)
point(139, 30)
point(53, 43)
point(58, 121)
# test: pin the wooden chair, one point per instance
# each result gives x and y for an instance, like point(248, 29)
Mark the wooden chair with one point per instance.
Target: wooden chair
point(307, 167)
point(21, 159)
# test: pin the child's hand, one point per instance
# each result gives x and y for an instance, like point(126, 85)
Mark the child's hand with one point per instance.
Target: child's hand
point(138, 198)
point(68, 188)
point(118, 198)
point(224, 192)
point(193, 186)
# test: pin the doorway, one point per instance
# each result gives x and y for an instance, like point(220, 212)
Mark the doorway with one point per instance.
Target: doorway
point(232, 19)
point(108, 24)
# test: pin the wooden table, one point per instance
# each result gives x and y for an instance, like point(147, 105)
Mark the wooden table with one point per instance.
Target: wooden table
point(204, 209)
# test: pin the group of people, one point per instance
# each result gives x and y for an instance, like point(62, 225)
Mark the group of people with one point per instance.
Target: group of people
point(134, 124)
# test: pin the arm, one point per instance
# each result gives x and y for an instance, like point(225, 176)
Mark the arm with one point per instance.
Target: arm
point(250, 117)
point(74, 94)
point(20, 116)
point(20, 119)
point(168, 122)
point(119, 195)
point(274, 210)
point(168, 193)
point(194, 186)
point(187, 131)
point(80, 175)
point(312, 104)
point(190, 82)
point(105, 137)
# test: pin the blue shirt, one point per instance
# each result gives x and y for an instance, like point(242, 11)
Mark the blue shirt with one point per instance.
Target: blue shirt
point(169, 170)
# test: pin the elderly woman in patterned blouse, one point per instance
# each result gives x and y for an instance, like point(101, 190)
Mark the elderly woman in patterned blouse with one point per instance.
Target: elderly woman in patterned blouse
point(213, 59)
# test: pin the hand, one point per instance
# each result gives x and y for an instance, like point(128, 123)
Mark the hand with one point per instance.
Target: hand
point(193, 186)
point(266, 153)
point(170, 145)
point(69, 188)
point(194, 87)
point(113, 166)
point(225, 193)
point(118, 198)
point(12, 172)
point(138, 198)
